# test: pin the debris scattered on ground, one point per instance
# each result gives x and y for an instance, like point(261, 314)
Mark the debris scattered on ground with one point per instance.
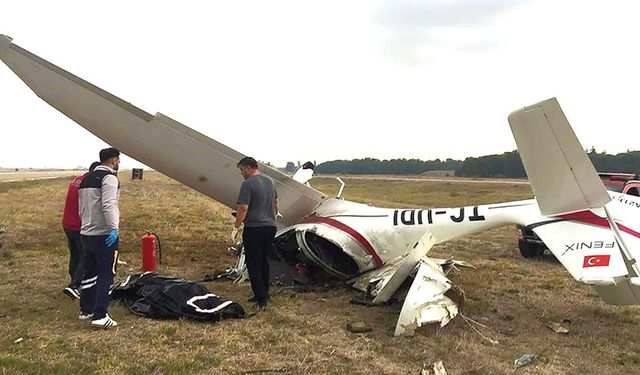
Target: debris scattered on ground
point(425, 370)
point(215, 275)
point(525, 360)
point(508, 332)
point(18, 340)
point(1, 237)
point(233, 251)
point(276, 369)
point(438, 369)
point(469, 321)
point(358, 327)
point(364, 300)
point(556, 327)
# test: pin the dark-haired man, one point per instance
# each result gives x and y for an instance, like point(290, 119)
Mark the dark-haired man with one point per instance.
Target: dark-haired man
point(100, 217)
point(257, 209)
point(71, 227)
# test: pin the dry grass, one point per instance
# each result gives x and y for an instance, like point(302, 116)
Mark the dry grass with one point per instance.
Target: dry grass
point(302, 331)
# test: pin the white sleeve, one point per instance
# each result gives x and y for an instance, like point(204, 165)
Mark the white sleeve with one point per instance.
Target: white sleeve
point(110, 201)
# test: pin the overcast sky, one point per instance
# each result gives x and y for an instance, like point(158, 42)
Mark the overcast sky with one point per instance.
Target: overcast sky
point(323, 80)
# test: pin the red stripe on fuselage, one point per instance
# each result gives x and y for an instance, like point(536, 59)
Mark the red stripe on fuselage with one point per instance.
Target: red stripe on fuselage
point(588, 217)
point(351, 232)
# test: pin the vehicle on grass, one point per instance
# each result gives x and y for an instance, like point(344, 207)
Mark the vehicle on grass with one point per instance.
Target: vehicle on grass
point(625, 183)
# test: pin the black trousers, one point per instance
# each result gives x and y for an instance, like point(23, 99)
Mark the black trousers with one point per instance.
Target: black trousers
point(258, 242)
point(100, 265)
point(76, 257)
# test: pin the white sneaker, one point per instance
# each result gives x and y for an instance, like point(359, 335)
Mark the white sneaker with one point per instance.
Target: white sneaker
point(105, 322)
point(84, 316)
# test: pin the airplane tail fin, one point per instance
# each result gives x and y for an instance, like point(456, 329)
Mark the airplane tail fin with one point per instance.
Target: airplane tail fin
point(561, 174)
point(580, 232)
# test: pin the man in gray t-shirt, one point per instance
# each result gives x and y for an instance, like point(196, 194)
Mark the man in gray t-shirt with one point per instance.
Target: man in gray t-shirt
point(257, 209)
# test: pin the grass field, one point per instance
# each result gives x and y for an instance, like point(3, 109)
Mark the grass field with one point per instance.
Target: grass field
point(301, 332)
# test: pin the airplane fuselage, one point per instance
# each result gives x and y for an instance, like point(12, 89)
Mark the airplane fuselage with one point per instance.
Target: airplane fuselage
point(372, 236)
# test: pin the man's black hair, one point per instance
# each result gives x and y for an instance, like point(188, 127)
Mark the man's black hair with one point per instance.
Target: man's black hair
point(108, 153)
point(248, 161)
point(94, 165)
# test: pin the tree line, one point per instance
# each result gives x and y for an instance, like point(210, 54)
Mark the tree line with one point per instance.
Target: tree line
point(507, 164)
point(393, 166)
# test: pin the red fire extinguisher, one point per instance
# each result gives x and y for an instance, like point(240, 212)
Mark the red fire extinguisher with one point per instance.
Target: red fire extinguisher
point(151, 252)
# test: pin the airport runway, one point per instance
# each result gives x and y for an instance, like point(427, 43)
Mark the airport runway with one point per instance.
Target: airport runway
point(436, 179)
point(9, 176)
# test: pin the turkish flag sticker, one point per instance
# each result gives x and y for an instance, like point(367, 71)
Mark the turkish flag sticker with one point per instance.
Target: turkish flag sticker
point(596, 261)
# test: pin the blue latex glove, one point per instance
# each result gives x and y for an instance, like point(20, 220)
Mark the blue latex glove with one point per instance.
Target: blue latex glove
point(112, 238)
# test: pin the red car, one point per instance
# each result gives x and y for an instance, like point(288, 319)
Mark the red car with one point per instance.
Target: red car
point(626, 183)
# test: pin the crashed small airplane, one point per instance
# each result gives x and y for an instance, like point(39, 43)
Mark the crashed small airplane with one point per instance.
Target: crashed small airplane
point(591, 231)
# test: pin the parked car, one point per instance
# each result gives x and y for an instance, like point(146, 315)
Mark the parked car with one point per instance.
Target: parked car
point(626, 183)
point(531, 246)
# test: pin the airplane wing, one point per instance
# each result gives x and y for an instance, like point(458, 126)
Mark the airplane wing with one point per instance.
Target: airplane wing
point(169, 147)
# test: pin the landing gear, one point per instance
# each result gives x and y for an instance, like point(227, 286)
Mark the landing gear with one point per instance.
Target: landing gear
point(530, 250)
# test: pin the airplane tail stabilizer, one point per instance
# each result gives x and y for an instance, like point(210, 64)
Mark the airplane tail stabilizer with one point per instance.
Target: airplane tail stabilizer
point(586, 246)
point(561, 175)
